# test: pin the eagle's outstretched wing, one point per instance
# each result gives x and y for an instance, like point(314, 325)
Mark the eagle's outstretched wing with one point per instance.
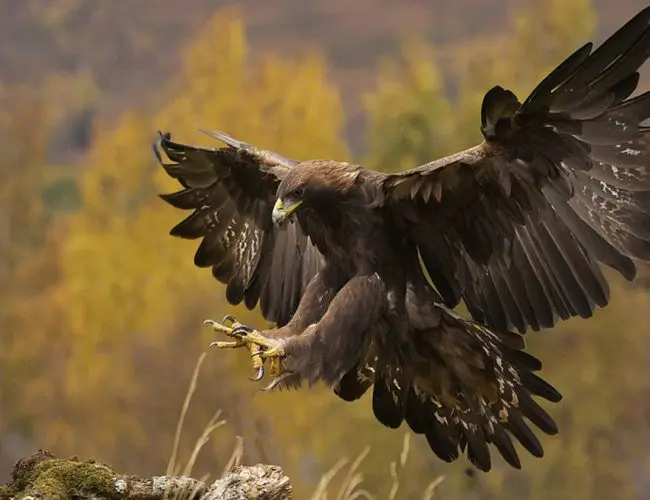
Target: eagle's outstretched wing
point(516, 226)
point(231, 191)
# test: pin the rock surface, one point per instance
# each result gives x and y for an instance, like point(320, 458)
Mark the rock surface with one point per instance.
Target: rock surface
point(45, 477)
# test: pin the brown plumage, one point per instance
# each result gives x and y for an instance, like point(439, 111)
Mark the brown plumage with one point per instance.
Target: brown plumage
point(362, 283)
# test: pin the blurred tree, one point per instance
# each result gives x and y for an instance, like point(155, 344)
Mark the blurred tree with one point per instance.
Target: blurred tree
point(25, 125)
point(74, 97)
point(411, 120)
point(28, 259)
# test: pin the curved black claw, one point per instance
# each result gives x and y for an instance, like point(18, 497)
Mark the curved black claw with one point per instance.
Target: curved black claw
point(257, 353)
point(241, 331)
point(259, 374)
point(228, 318)
point(276, 381)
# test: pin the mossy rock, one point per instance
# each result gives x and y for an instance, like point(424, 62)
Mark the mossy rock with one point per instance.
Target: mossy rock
point(43, 476)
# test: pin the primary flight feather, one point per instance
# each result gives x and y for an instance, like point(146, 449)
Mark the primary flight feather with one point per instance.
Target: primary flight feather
point(359, 269)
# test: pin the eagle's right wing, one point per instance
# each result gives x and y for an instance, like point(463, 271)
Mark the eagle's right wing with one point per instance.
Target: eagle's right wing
point(231, 191)
point(516, 226)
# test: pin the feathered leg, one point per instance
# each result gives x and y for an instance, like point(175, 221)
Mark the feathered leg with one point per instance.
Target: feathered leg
point(325, 349)
point(266, 345)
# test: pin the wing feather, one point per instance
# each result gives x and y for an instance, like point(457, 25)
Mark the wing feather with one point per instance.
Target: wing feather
point(560, 184)
point(231, 191)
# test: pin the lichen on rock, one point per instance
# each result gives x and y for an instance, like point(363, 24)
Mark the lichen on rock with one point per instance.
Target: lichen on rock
point(45, 477)
point(263, 482)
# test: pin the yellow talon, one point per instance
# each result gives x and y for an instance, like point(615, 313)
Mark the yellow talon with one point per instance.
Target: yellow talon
point(227, 345)
point(258, 363)
point(253, 340)
point(273, 355)
point(273, 352)
point(218, 327)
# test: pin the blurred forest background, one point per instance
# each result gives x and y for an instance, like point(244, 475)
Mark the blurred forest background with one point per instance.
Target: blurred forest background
point(101, 310)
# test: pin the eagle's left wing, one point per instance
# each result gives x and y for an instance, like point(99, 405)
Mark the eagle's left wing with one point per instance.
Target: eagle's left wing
point(516, 226)
point(230, 192)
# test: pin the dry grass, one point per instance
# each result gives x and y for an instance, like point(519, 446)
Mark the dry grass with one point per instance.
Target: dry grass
point(171, 465)
point(349, 489)
point(176, 469)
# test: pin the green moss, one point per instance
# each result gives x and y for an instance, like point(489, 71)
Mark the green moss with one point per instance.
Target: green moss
point(60, 479)
point(5, 492)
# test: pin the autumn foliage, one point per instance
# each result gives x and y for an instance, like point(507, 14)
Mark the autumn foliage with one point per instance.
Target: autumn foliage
point(101, 310)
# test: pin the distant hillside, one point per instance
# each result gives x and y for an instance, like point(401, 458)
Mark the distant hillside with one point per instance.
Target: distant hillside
point(129, 47)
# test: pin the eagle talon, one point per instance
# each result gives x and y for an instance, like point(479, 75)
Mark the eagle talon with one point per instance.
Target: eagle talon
point(228, 318)
point(241, 330)
point(226, 345)
point(261, 348)
point(274, 355)
point(275, 382)
point(218, 327)
point(259, 374)
point(276, 351)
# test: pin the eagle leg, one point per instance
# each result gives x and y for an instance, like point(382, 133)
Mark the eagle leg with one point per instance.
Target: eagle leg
point(262, 348)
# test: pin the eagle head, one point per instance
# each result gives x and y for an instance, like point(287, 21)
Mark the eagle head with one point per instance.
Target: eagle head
point(317, 184)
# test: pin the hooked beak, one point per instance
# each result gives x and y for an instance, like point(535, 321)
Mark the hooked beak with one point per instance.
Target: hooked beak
point(283, 210)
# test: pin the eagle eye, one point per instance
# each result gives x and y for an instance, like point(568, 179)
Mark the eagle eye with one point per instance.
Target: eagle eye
point(297, 193)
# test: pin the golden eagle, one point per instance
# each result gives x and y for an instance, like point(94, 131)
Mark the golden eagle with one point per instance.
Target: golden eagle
point(362, 281)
